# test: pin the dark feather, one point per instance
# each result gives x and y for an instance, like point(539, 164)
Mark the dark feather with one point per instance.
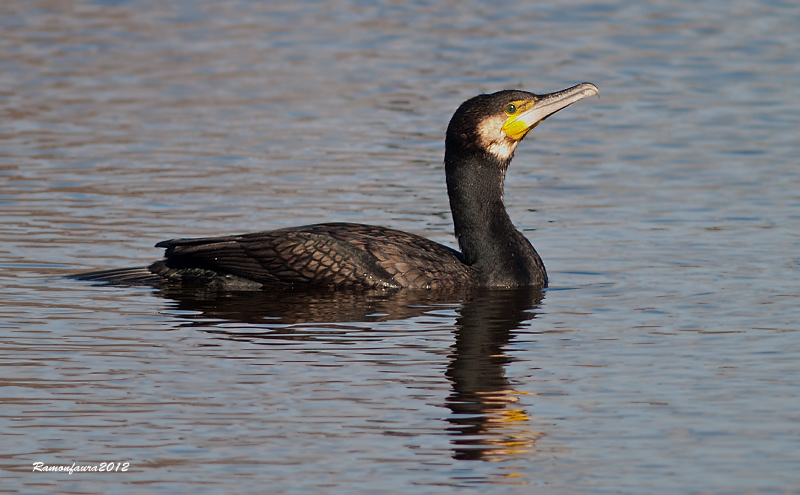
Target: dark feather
point(331, 254)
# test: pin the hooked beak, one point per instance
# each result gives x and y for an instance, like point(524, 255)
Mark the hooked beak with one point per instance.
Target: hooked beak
point(547, 105)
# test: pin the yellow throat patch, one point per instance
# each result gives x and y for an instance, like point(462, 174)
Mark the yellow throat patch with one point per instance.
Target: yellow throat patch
point(517, 129)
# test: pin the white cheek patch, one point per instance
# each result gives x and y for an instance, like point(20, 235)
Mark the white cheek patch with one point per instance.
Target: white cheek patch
point(494, 140)
point(503, 149)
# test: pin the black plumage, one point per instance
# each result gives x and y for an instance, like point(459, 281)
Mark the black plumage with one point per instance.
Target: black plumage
point(480, 143)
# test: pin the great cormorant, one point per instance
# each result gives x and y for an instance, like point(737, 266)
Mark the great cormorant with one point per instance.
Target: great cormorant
point(480, 142)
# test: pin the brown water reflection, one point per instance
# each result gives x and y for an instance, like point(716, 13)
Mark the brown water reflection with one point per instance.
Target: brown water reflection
point(485, 424)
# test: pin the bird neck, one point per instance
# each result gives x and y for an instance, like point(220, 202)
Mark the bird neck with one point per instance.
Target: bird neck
point(485, 233)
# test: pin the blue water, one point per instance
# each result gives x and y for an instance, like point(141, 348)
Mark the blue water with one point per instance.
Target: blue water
point(663, 359)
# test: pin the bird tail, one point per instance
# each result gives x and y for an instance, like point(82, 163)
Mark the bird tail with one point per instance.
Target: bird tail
point(140, 275)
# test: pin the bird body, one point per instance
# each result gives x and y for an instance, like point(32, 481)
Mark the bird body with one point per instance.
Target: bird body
point(327, 254)
point(480, 143)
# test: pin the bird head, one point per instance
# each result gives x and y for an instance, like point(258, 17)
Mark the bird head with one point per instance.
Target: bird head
point(497, 122)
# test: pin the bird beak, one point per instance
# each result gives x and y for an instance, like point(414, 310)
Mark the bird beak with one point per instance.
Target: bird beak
point(547, 105)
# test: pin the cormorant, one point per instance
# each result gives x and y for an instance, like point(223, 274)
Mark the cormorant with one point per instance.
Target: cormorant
point(480, 142)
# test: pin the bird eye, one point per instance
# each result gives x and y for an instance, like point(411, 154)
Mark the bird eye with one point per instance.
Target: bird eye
point(511, 109)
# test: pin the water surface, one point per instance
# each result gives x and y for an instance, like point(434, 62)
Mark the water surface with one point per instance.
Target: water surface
point(662, 359)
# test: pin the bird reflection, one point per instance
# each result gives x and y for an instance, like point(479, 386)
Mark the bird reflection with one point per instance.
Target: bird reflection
point(486, 422)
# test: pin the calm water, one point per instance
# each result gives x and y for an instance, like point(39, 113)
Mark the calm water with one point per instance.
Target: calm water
point(664, 358)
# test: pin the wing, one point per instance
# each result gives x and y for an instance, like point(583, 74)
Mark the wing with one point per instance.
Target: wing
point(336, 254)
